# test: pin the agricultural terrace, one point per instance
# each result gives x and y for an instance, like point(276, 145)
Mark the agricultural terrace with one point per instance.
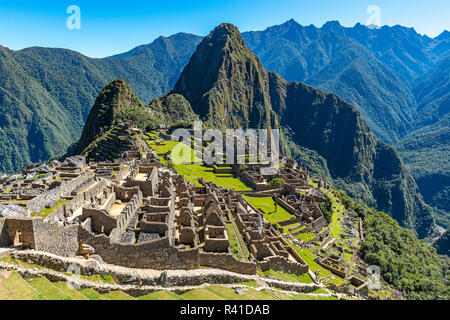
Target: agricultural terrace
point(192, 167)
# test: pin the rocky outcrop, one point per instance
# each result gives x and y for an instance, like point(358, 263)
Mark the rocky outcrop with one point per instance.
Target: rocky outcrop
point(12, 210)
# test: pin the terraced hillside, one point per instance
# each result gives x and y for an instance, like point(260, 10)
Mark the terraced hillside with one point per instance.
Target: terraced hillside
point(110, 145)
point(15, 287)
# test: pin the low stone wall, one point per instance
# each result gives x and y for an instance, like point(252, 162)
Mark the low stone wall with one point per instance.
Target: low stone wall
point(158, 254)
point(47, 198)
point(281, 264)
point(3, 236)
point(226, 261)
point(287, 206)
point(55, 238)
point(51, 196)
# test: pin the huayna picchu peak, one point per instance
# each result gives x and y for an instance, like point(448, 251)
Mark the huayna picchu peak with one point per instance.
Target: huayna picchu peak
point(236, 166)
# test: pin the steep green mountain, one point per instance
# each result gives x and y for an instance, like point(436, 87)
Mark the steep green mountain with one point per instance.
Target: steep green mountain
point(227, 87)
point(442, 244)
point(408, 264)
point(172, 109)
point(46, 94)
point(112, 107)
point(426, 150)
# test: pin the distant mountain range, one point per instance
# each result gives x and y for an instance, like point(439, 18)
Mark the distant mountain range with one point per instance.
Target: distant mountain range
point(395, 77)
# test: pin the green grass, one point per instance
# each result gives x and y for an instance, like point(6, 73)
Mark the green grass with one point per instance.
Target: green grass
point(249, 284)
point(5, 292)
point(73, 293)
point(267, 205)
point(307, 236)
point(304, 278)
point(192, 172)
point(118, 295)
point(309, 297)
point(224, 293)
point(309, 257)
point(319, 291)
point(161, 295)
point(47, 289)
point(237, 244)
point(91, 294)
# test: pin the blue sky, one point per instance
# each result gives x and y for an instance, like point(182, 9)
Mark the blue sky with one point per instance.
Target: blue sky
point(111, 27)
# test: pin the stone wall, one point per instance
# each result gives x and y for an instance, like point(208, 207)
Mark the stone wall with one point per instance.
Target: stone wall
point(226, 261)
point(22, 225)
point(282, 264)
point(102, 221)
point(158, 254)
point(55, 238)
point(51, 196)
point(38, 235)
point(3, 235)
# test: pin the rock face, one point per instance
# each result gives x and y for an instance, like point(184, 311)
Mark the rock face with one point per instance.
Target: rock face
point(35, 168)
point(12, 210)
point(75, 162)
point(228, 87)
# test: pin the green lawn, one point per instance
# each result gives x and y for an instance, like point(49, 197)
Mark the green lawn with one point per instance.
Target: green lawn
point(304, 278)
point(118, 295)
point(91, 294)
point(48, 290)
point(307, 236)
point(267, 205)
point(20, 288)
point(161, 295)
point(223, 293)
point(193, 172)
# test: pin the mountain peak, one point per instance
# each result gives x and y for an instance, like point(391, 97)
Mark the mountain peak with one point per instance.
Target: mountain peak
point(226, 26)
point(116, 97)
point(444, 35)
point(224, 81)
point(332, 25)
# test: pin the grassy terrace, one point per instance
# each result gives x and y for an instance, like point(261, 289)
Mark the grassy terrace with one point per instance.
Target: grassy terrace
point(267, 205)
point(309, 257)
point(194, 171)
point(305, 278)
point(14, 287)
